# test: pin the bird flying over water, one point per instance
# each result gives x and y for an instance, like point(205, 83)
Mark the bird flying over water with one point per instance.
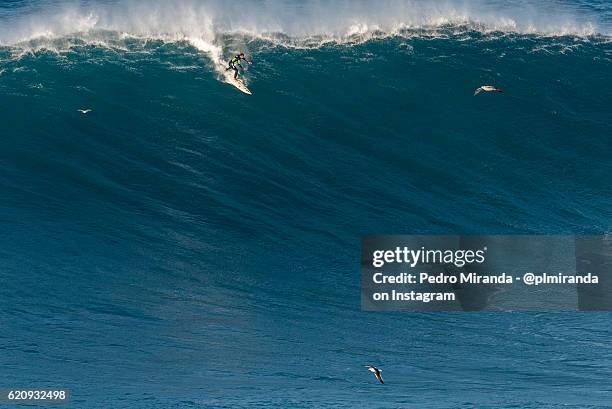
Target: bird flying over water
point(487, 88)
point(376, 373)
point(84, 111)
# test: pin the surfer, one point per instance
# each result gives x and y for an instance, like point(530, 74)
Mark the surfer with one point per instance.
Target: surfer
point(234, 63)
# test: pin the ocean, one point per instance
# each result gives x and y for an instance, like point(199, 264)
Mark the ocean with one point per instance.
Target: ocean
point(184, 245)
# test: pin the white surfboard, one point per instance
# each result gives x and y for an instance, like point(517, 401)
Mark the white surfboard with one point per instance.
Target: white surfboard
point(229, 78)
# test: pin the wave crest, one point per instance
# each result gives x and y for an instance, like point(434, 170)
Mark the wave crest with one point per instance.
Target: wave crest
point(335, 20)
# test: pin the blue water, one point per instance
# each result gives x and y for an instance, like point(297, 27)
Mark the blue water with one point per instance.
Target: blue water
point(185, 245)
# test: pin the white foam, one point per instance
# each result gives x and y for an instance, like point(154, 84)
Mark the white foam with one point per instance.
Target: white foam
point(205, 23)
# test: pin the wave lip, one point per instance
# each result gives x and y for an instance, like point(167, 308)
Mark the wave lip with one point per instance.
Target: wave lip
point(208, 21)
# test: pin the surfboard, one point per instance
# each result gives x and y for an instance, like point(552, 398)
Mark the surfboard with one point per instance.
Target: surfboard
point(229, 78)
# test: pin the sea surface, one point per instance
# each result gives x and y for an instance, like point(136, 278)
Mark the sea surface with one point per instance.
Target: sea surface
point(185, 245)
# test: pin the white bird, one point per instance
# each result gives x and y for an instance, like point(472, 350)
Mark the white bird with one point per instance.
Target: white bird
point(84, 111)
point(376, 373)
point(487, 88)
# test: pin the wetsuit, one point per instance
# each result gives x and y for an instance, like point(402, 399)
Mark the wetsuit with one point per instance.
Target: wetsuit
point(234, 63)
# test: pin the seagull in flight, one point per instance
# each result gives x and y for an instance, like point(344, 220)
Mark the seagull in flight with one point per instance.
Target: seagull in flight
point(376, 373)
point(487, 88)
point(84, 111)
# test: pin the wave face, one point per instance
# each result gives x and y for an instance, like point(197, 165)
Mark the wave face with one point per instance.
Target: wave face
point(187, 245)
